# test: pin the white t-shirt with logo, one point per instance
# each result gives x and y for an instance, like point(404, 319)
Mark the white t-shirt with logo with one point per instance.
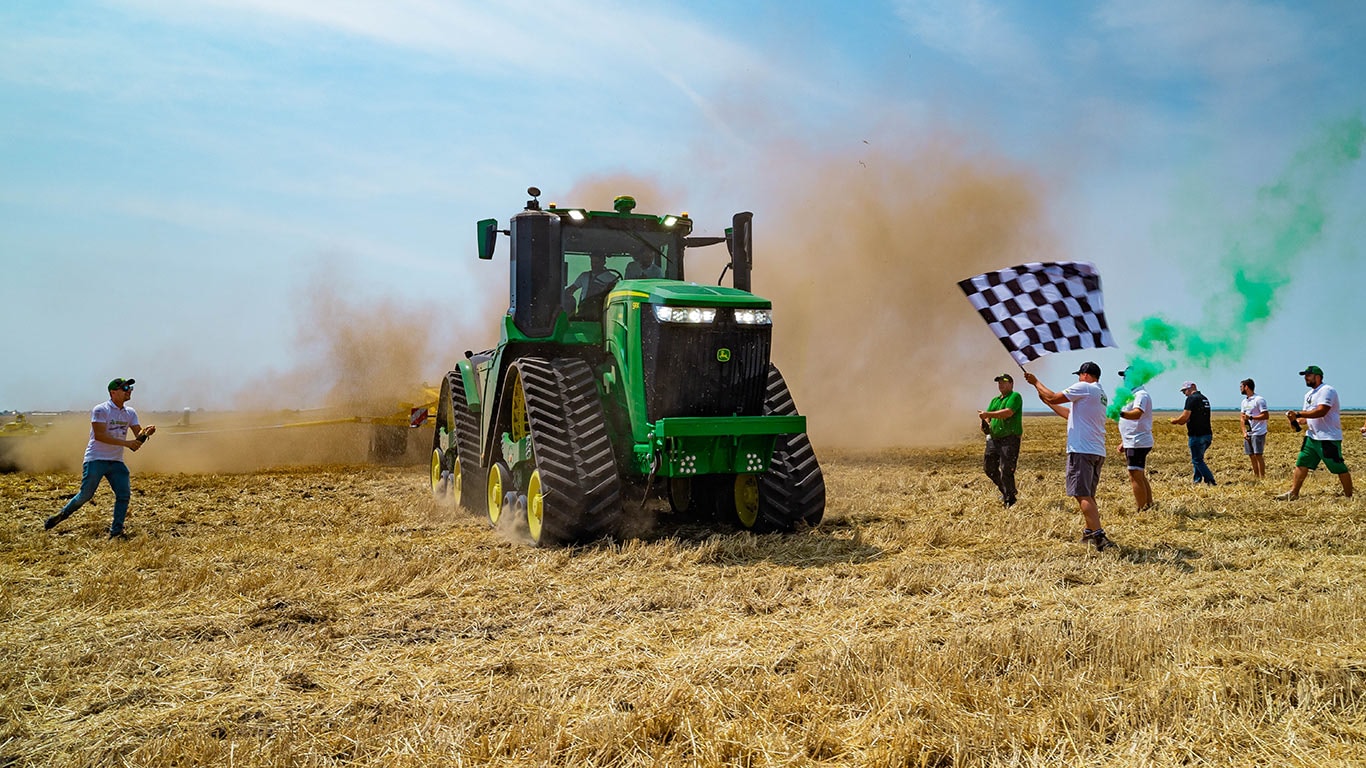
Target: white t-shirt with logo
point(116, 422)
point(1255, 405)
point(1138, 433)
point(1086, 420)
point(1329, 427)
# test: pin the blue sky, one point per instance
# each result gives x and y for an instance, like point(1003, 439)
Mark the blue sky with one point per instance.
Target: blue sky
point(181, 181)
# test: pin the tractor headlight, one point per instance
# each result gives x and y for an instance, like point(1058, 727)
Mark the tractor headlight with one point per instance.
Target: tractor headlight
point(754, 316)
point(685, 314)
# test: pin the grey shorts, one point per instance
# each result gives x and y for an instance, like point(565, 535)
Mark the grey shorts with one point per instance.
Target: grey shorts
point(1253, 445)
point(1083, 473)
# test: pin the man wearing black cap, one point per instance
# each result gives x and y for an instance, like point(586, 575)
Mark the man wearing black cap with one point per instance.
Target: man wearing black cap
point(1004, 421)
point(110, 423)
point(1323, 438)
point(1085, 443)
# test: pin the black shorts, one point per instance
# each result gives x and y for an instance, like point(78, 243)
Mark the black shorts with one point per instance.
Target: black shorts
point(1138, 457)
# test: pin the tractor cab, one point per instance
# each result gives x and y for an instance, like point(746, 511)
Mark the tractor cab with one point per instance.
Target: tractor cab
point(565, 261)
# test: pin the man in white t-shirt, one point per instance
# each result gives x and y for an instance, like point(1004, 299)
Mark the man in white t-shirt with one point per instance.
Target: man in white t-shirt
point(1254, 416)
point(1085, 443)
point(110, 423)
point(1136, 442)
point(1323, 438)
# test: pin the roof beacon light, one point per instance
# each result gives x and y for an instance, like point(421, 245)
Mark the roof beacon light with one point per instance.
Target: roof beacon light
point(624, 204)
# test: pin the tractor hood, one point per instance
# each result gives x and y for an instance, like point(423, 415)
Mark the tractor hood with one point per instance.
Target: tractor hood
point(676, 294)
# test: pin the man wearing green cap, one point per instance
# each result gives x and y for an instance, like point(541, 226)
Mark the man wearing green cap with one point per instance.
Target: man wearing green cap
point(1003, 421)
point(1323, 438)
point(110, 423)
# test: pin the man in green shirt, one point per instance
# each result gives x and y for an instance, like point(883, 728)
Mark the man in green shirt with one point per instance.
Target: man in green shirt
point(1004, 423)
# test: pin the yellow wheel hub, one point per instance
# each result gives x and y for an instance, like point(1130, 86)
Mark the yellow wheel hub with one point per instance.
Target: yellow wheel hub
point(535, 507)
point(436, 472)
point(456, 483)
point(747, 500)
point(496, 489)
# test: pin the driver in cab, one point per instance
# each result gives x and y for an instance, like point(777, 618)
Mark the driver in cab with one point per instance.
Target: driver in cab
point(643, 266)
point(591, 287)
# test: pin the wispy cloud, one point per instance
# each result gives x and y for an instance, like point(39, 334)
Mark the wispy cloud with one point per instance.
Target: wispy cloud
point(618, 46)
point(1234, 43)
point(977, 33)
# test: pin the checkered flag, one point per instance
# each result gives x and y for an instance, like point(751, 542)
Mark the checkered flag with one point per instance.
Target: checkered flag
point(1041, 307)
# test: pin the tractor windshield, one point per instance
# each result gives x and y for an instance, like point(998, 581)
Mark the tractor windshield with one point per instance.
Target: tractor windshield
point(629, 253)
point(600, 254)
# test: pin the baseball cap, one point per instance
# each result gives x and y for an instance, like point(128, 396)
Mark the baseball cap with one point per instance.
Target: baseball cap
point(1088, 367)
point(1005, 377)
point(120, 384)
point(1314, 369)
point(1185, 385)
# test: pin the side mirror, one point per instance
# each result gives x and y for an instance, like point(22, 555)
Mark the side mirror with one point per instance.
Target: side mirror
point(488, 236)
point(741, 242)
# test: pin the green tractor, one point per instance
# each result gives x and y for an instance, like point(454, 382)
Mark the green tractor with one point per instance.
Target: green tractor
point(617, 380)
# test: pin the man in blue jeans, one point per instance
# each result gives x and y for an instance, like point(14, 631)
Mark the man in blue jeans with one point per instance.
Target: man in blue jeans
point(1199, 435)
point(110, 423)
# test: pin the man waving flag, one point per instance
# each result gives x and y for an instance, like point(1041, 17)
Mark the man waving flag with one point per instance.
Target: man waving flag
point(1041, 307)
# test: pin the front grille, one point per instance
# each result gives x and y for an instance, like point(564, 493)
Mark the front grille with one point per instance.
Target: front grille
point(685, 377)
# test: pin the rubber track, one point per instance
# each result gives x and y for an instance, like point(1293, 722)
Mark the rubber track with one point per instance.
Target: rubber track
point(573, 450)
point(466, 444)
point(443, 410)
point(792, 492)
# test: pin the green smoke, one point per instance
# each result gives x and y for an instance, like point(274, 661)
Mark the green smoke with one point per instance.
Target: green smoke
point(1261, 257)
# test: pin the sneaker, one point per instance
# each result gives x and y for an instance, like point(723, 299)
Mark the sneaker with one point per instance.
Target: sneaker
point(51, 522)
point(1288, 496)
point(120, 535)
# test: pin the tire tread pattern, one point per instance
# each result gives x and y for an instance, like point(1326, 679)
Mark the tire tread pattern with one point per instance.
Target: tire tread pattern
point(573, 450)
point(466, 443)
point(792, 492)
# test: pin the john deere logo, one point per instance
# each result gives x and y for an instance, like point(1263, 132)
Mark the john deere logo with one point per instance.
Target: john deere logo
point(723, 355)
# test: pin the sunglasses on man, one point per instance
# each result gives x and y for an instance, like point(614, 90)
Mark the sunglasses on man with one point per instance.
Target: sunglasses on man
point(127, 387)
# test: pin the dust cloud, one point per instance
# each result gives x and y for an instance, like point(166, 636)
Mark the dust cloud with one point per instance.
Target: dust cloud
point(652, 196)
point(876, 341)
point(362, 363)
point(861, 253)
point(362, 354)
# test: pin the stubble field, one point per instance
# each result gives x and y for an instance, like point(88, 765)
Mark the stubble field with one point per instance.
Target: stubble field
point(337, 616)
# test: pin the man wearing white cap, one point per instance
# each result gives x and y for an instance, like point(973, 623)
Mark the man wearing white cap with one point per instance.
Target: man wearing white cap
point(1136, 442)
point(1198, 432)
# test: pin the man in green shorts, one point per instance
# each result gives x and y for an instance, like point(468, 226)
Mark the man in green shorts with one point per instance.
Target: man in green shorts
point(1003, 421)
point(1323, 440)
